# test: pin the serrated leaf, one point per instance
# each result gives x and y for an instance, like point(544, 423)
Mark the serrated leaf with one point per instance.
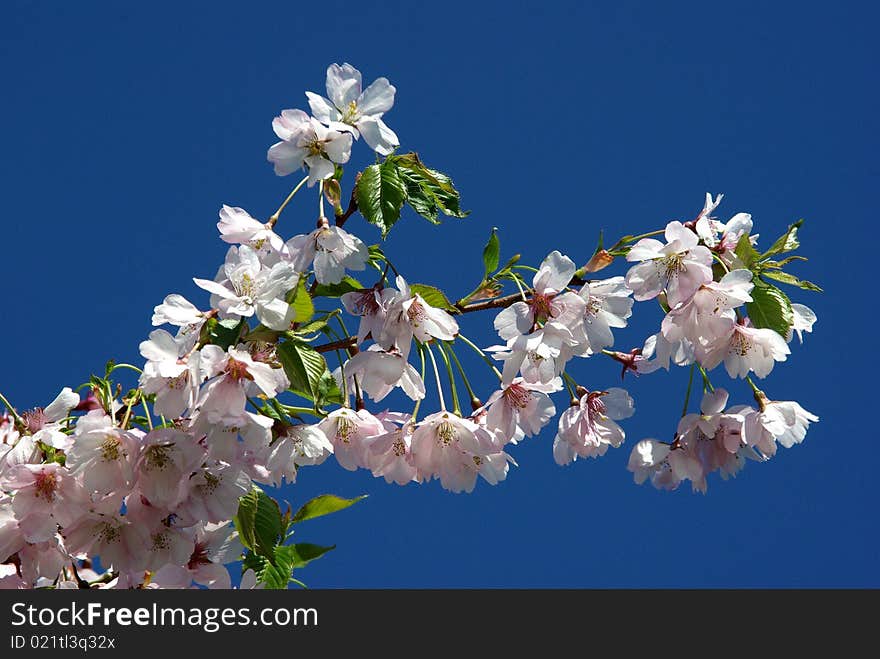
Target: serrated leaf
point(245, 518)
point(323, 505)
point(267, 525)
point(781, 264)
point(380, 195)
point(433, 296)
point(301, 301)
point(491, 254)
point(427, 189)
point(347, 285)
point(770, 308)
point(787, 242)
point(258, 522)
point(790, 279)
point(303, 553)
point(303, 366)
point(746, 252)
point(222, 333)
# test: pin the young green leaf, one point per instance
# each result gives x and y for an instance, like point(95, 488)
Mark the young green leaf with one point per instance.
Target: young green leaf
point(347, 285)
point(323, 505)
point(428, 191)
point(787, 242)
point(380, 195)
point(770, 308)
point(787, 278)
point(746, 252)
point(304, 367)
point(303, 553)
point(433, 296)
point(258, 522)
point(301, 301)
point(491, 254)
point(245, 518)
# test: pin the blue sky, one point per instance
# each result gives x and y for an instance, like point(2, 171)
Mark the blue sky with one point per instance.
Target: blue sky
point(125, 129)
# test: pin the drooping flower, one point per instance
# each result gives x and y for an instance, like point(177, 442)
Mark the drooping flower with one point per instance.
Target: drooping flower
point(785, 422)
point(680, 267)
point(332, 250)
point(238, 228)
point(45, 424)
point(454, 450)
point(378, 372)
point(708, 316)
point(744, 348)
point(587, 429)
point(804, 318)
point(296, 446)
point(349, 432)
point(372, 306)
point(390, 453)
point(521, 409)
point(245, 287)
point(307, 143)
point(177, 310)
point(411, 316)
point(358, 112)
point(608, 304)
point(536, 356)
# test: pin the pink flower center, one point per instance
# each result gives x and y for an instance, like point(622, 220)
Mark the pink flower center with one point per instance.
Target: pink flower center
point(237, 370)
point(517, 396)
point(540, 305)
point(199, 556)
point(46, 484)
point(34, 420)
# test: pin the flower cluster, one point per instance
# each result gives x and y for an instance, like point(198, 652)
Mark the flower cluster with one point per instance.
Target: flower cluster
point(141, 490)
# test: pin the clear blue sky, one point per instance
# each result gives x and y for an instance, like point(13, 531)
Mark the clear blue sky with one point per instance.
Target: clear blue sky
point(125, 129)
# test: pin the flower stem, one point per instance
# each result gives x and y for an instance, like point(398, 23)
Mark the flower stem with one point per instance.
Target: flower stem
point(687, 395)
point(464, 378)
point(482, 354)
point(707, 385)
point(128, 366)
point(11, 409)
point(634, 239)
point(456, 405)
point(436, 377)
point(415, 411)
point(321, 199)
point(274, 218)
point(571, 387)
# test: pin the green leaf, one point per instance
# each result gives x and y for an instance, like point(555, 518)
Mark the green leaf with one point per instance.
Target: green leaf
point(347, 285)
point(787, 278)
point(301, 301)
point(770, 308)
point(267, 525)
point(380, 195)
point(258, 522)
point(245, 518)
point(304, 367)
point(323, 505)
point(277, 572)
point(302, 553)
point(433, 296)
point(781, 264)
point(746, 252)
point(222, 333)
point(787, 242)
point(427, 189)
point(491, 254)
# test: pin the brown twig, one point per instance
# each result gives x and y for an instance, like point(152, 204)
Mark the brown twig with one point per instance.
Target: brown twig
point(352, 205)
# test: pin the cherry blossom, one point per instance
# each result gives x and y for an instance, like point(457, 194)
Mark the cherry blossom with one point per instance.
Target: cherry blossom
point(680, 267)
point(355, 111)
point(587, 429)
point(307, 143)
point(331, 249)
